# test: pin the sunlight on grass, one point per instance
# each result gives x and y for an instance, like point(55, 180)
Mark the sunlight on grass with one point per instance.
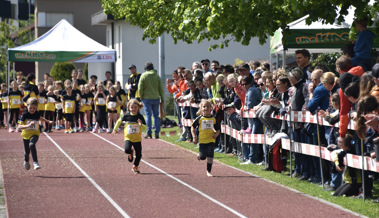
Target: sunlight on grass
point(367, 208)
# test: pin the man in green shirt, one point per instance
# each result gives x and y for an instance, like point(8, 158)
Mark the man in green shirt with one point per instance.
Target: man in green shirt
point(151, 93)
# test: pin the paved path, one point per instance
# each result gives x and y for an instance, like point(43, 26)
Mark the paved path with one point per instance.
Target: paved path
point(88, 175)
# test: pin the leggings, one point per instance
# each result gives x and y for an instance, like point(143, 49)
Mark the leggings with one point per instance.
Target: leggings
point(347, 189)
point(14, 113)
point(137, 148)
point(206, 151)
point(49, 116)
point(30, 146)
point(101, 115)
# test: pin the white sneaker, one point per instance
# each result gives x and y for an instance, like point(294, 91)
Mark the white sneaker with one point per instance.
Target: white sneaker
point(246, 162)
point(26, 165)
point(36, 166)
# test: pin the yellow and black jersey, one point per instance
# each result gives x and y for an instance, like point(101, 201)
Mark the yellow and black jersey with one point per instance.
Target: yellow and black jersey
point(30, 90)
point(4, 100)
point(87, 102)
point(132, 130)
point(207, 127)
point(101, 100)
point(25, 119)
point(50, 103)
point(68, 103)
point(42, 100)
point(15, 99)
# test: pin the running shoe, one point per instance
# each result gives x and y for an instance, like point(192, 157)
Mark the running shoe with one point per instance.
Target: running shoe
point(109, 131)
point(26, 165)
point(94, 130)
point(131, 157)
point(70, 131)
point(66, 131)
point(209, 174)
point(136, 170)
point(11, 129)
point(101, 131)
point(36, 166)
point(18, 130)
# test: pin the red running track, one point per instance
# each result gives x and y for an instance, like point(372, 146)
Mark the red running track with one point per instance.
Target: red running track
point(88, 175)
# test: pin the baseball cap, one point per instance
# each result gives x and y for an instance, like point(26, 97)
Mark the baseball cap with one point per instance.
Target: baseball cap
point(132, 66)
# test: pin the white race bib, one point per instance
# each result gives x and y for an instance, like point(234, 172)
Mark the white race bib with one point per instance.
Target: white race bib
point(50, 100)
point(89, 101)
point(112, 104)
point(134, 129)
point(68, 104)
point(5, 98)
point(83, 101)
point(41, 100)
point(100, 101)
point(207, 124)
point(32, 127)
point(59, 106)
point(16, 101)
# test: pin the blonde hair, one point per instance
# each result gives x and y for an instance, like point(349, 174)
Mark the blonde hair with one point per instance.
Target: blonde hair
point(202, 103)
point(134, 101)
point(220, 77)
point(328, 78)
point(32, 101)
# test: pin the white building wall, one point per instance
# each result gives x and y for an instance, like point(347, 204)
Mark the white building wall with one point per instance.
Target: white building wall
point(138, 52)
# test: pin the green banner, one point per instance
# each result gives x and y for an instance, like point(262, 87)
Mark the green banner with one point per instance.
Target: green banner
point(318, 38)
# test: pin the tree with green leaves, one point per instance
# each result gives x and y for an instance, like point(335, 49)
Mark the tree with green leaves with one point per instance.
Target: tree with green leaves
point(229, 20)
point(11, 36)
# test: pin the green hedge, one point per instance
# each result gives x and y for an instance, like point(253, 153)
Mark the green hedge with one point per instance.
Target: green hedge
point(62, 70)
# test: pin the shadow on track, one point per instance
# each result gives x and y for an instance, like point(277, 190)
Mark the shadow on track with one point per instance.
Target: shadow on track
point(62, 177)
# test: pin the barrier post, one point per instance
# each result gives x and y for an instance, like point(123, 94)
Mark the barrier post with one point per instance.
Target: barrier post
point(241, 132)
point(225, 131)
point(319, 146)
point(291, 138)
point(363, 172)
point(265, 146)
point(190, 108)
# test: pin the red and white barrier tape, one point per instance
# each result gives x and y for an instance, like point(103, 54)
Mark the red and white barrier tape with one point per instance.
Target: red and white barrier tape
point(188, 104)
point(354, 161)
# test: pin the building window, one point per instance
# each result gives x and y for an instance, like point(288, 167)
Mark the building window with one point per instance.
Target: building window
point(48, 19)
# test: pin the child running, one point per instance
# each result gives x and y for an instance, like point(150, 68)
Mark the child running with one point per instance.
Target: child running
point(134, 125)
point(208, 132)
point(30, 131)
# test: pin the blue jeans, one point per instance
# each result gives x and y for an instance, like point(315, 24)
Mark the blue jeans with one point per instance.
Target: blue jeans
point(152, 108)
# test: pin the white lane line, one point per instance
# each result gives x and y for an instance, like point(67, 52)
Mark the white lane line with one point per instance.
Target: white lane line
point(119, 209)
point(180, 181)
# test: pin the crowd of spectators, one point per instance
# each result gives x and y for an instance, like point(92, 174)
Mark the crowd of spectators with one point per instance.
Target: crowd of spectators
point(349, 94)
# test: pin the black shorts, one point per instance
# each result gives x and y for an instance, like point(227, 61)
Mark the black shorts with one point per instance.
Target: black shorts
point(112, 112)
point(69, 117)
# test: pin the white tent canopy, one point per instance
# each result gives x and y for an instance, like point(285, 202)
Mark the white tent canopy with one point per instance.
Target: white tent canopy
point(62, 43)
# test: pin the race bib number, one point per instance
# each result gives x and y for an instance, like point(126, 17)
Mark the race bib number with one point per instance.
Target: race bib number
point(83, 101)
point(34, 126)
point(41, 100)
point(68, 104)
point(89, 101)
point(133, 129)
point(16, 101)
point(112, 104)
point(101, 101)
point(5, 98)
point(207, 124)
point(51, 100)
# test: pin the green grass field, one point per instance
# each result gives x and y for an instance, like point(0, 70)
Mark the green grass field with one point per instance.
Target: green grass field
point(367, 208)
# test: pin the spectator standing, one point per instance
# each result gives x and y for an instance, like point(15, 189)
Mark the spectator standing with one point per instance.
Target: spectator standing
point(363, 45)
point(132, 85)
point(205, 65)
point(302, 59)
point(108, 76)
point(152, 95)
